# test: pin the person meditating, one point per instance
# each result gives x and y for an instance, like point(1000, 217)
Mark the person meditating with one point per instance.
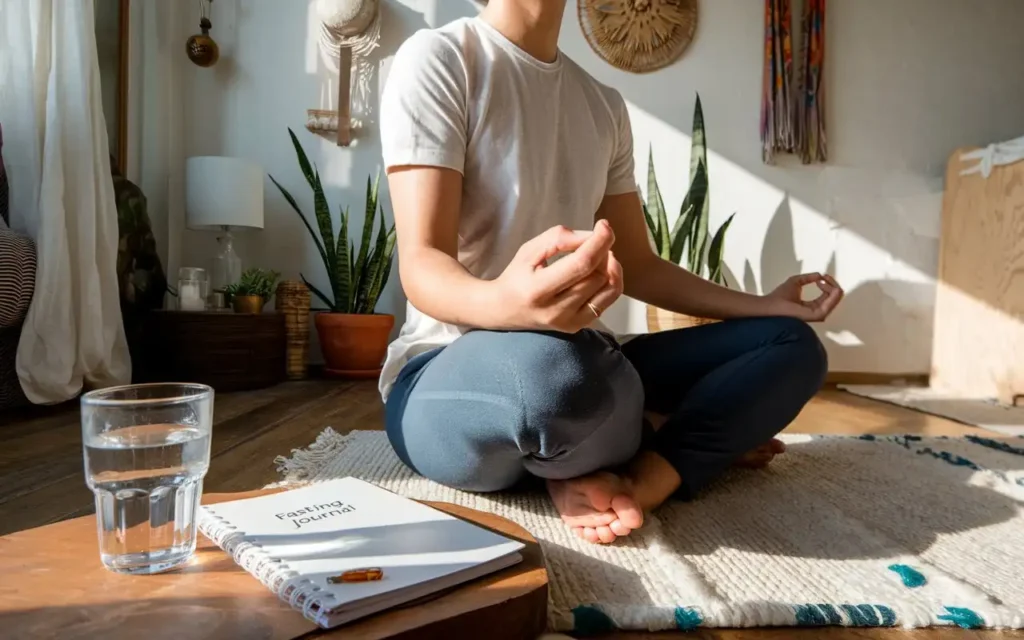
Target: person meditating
point(512, 180)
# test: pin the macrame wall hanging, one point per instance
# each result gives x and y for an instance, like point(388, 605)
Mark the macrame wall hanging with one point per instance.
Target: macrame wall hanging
point(349, 32)
point(638, 35)
point(793, 99)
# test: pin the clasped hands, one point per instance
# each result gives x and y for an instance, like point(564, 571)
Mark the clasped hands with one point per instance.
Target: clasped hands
point(569, 294)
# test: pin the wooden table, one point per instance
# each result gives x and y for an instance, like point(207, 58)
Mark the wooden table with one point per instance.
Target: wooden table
point(53, 585)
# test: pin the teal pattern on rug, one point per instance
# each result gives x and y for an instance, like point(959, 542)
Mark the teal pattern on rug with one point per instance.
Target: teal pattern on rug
point(911, 577)
point(688, 619)
point(995, 444)
point(590, 621)
point(866, 615)
point(857, 615)
point(963, 618)
point(956, 460)
point(817, 615)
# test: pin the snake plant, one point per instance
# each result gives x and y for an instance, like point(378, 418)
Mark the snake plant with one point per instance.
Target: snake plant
point(356, 279)
point(689, 236)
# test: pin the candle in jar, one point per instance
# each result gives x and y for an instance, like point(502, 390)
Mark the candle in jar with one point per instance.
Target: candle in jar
point(190, 296)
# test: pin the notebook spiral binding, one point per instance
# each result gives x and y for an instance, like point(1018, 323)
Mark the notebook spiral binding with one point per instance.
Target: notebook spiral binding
point(300, 593)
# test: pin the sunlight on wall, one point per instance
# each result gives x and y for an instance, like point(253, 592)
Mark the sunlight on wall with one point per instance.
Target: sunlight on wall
point(763, 247)
point(901, 97)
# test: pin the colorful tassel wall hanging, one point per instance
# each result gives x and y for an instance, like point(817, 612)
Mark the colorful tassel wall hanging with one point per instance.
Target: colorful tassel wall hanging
point(811, 124)
point(777, 108)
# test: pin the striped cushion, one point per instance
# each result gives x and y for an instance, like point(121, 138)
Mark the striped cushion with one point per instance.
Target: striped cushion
point(17, 276)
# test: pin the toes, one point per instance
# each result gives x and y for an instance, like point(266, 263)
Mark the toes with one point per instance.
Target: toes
point(590, 519)
point(777, 446)
point(605, 535)
point(579, 532)
point(590, 535)
point(620, 529)
point(628, 511)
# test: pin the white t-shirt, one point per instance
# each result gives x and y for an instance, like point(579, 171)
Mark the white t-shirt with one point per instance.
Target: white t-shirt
point(538, 144)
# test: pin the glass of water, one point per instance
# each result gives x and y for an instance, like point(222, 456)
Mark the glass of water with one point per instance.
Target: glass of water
point(147, 449)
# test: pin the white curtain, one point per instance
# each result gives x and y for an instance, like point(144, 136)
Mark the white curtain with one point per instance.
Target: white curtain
point(62, 195)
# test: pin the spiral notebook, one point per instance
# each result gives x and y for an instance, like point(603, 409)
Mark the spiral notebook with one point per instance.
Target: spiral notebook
point(297, 541)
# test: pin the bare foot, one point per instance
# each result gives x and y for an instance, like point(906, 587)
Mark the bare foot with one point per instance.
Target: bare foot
point(763, 455)
point(602, 507)
point(599, 507)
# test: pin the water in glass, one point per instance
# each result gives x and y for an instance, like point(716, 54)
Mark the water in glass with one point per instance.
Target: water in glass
point(147, 477)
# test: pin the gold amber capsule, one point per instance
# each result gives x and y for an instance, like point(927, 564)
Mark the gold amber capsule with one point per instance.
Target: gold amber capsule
point(358, 575)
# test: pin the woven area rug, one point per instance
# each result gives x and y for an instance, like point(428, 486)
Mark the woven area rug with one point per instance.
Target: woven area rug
point(869, 531)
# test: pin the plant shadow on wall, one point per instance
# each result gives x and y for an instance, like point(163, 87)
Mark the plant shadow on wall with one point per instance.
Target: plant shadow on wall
point(888, 145)
point(867, 344)
point(353, 337)
point(899, 309)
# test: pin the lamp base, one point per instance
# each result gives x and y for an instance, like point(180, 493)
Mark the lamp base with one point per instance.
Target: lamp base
point(227, 269)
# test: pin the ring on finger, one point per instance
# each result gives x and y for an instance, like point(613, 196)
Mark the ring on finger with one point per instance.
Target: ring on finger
point(594, 309)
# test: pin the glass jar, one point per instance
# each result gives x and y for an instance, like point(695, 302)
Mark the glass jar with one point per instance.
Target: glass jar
point(193, 287)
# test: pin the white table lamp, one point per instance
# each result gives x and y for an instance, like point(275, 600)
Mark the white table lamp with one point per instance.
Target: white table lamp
point(223, 194)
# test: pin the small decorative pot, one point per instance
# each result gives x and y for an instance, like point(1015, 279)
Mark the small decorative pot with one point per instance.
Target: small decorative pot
point(247, 304)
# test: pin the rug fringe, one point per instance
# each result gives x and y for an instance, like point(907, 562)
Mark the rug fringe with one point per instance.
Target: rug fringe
point(306, 463)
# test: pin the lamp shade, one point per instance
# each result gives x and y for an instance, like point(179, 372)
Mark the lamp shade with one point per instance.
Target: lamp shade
point(223, 192)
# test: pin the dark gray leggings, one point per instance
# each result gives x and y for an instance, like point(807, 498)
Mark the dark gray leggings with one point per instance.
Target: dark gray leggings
point(494, 407)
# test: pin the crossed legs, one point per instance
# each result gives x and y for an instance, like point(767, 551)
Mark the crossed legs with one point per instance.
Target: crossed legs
point(495, 407)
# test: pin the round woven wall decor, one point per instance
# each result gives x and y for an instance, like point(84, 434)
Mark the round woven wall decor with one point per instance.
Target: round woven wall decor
point(638, 35)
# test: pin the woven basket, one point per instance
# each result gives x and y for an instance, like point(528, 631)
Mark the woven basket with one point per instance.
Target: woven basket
point(293, 301)
point(661, 320)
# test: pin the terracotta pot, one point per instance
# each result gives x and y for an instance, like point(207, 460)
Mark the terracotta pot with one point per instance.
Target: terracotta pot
point(247, 304)
point(661, 320)
point(353, 345)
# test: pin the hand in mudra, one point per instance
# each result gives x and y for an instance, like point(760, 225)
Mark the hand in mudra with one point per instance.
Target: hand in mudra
point(572, 292)
point(787, 300)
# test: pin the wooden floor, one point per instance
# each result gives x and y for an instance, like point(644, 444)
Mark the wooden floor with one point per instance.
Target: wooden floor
point(41, 479)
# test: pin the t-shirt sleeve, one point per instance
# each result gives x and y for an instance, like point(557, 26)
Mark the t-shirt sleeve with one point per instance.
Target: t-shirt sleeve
point(423, 107)
point(621, 178)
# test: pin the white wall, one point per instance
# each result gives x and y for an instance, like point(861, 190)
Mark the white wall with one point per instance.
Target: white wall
point(907, 82)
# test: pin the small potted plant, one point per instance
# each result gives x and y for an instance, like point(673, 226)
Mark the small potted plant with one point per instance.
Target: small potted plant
point(689, 236)
point(353, 337)
point(252, 291)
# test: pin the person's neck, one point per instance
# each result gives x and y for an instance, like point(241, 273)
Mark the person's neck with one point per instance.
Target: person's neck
point(532, 25)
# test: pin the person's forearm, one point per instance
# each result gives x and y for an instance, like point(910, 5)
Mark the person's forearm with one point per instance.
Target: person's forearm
point(436, 284)
point(668, 286)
